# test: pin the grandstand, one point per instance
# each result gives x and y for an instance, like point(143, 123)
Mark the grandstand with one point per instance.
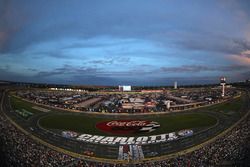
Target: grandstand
point(229, 147)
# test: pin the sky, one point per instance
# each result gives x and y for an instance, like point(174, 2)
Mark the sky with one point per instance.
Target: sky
point(112, 42)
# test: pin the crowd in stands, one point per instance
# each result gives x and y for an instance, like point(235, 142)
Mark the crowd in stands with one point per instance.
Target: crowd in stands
point(233, 149)
point(18, 149)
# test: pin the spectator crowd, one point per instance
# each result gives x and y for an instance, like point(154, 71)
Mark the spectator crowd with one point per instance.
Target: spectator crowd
point(18, 149)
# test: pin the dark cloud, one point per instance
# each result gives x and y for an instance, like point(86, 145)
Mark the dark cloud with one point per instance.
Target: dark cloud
point(245, 54)
point(52, 54)
point(246, 74)
point(86, 20)
point(6, 74)
point(110, 61)
point(186, 68)
point(12, 20)
point(211, 43)
point(87, 79)
point(125, 20)
point(122, 40)
point(102, 62)
point(32, 69)
point(5, 30)
point(93, 80)
point(231, 68)
point(185, 80)
point(82, 75)
point(201, 68)
point(67, 70)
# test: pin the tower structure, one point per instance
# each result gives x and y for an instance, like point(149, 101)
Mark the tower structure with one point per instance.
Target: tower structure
point(167, 103)
point(223, 83)
point(175, 85)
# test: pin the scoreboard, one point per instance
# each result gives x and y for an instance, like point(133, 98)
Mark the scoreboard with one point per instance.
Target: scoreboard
point(124, 88)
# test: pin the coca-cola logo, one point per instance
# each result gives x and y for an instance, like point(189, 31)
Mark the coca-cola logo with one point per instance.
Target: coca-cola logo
point(127, 126)
point(127, 123)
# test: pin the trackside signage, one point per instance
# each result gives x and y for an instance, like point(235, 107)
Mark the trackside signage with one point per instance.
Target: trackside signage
point(127, 126)
point(113, 140)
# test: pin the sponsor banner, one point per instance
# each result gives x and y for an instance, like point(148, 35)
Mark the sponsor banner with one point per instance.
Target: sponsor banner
point(127, 126)
point(185, 132)
point(69, 134)
point(141, 140)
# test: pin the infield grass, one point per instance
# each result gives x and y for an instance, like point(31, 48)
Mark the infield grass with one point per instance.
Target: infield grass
point(168, 123)
point(86, 124)
point(228, 108)
point(22, 107)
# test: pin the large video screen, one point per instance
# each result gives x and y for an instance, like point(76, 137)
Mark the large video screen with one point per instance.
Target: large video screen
point(126, 88)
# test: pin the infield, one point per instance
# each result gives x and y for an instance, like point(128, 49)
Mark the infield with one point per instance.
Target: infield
point(87, 124)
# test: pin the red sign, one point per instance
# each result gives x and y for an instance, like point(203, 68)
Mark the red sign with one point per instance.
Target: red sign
point(127, 126)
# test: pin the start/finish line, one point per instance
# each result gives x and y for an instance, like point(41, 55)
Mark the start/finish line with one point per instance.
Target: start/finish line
point(112, 140)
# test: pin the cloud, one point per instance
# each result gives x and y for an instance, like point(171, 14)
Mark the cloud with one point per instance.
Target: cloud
point(246, 74)
point(243, 57)
point(67, 70)
point(186, 69)
point(4, 28)
point(32, 69)
point(232, 68)
point(245, 54)
point(11, 22)
point(102, 62)
point(7, 74)
point(110, 61)
point(209, 42)
point(68, 74)
point(49, 54)
point(124, 40)
point(201, 68)
point(3, 39)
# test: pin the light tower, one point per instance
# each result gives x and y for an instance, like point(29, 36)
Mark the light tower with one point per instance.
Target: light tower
point(175, 85)
point(223, 83)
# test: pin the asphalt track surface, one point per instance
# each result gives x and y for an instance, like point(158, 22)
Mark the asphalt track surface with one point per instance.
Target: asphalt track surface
point(111, 152)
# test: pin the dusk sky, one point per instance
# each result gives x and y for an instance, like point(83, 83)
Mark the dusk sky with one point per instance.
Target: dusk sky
point(137, 42)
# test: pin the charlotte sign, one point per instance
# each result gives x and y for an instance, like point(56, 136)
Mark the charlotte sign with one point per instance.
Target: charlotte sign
point(112, 140)
point(127, 126)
